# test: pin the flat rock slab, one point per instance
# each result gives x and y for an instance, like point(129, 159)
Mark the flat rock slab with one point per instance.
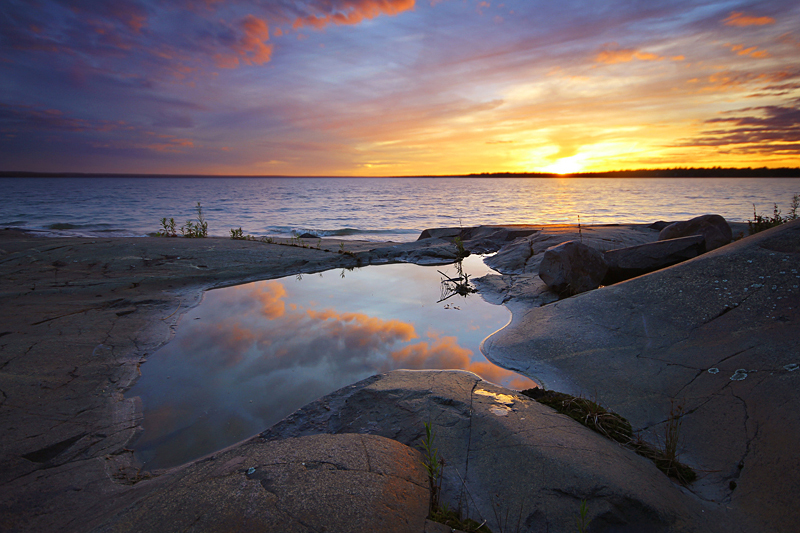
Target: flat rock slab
point(717, 334)
point(308, 484)
point(508, 459)
point(77, 318)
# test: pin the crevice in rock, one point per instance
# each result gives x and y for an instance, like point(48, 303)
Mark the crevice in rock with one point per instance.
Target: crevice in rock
point(462, 496)
point(48, 453)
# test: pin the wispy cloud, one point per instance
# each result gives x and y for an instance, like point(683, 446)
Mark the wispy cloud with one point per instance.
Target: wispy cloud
point(773, 130)
point(337, 87)
point(738, 18)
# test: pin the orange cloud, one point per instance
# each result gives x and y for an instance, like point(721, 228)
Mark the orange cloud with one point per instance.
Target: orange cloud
point(270, 295)
point(611, 55)
point(444, 353)
point(170, 144)
point(737, 18)
point(353, 12)
point(360, 330)
point(251, 47)
point(751, 51)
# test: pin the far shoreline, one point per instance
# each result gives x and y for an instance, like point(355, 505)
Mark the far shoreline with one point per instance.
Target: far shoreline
point(676, 172)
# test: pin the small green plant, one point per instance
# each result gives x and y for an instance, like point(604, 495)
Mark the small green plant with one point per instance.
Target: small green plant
point(433, 464)
point(451, 518)
point(237, 234)
point(581, 519)
point(167, 228)
point(762, 222)
point(198, 229)
point(461, 252)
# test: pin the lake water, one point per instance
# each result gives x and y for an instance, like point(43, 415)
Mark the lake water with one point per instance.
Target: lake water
point(250, 355)
point(396, 209)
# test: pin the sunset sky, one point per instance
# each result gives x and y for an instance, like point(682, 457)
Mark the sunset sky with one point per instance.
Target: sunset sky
point(397, 87)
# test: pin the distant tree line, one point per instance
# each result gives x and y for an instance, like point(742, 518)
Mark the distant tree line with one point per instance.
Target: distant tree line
point(677, 172)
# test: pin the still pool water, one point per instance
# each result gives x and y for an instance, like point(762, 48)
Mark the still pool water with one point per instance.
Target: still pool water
point(250, 355)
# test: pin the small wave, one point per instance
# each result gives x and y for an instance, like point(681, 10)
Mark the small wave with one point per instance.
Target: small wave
point(13, 224)
point(64, 226)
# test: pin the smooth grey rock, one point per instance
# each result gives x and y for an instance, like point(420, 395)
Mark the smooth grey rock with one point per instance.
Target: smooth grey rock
point(714, 228)
point(308, 484)
point(680, 335)
point(524, 254)
point(431, 251)
point(627, 263)
point(508, 459)
point(513, 257)
point(439, 233)
point(572, 267)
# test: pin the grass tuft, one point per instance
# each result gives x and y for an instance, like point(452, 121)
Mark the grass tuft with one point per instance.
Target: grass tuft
point(763, 222)
point(617, 428)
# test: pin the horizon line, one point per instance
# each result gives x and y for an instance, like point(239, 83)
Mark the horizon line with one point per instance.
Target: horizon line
point(715, 171)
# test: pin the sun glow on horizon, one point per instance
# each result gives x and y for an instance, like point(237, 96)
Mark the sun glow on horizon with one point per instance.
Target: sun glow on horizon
point(566, 165)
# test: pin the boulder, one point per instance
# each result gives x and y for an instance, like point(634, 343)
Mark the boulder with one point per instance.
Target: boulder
point(314, 483)
point(508, 459)
point(714, 228)
point(572, 267)
point(633, 261)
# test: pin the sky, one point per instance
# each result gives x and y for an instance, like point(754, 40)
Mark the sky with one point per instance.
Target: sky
point(397, 87)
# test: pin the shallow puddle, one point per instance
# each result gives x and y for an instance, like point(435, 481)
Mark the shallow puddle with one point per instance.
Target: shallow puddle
point(249, 355)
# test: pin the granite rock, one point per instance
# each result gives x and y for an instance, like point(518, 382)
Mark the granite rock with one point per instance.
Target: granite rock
point(572, 267)
point(714, 228)
point(716, 334)
point(508, 459)
point(633, 261)
point(308, 484)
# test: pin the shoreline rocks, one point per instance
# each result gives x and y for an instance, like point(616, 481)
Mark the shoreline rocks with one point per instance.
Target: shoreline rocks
point(87, 312)
point(718, 335)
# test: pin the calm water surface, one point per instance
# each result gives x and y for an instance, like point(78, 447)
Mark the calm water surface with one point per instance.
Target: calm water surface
point(395, 209)
point(249, 355)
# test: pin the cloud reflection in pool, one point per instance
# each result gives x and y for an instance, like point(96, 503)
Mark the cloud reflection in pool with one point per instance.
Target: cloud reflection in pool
point(249, 355)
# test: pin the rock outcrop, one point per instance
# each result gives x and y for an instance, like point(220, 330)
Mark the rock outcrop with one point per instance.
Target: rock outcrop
point(713, 228)
point(508, 459)
point(633, 261)
point(716, 334)
point(572, 268)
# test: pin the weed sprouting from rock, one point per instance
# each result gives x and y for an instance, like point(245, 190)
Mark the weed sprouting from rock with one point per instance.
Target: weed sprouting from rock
point(193, 229)
point(583, 512)
point(617, 428)
point(196, 229)
point(764, 222)
point(587, 412)
point(167, 228)
point(433, 464)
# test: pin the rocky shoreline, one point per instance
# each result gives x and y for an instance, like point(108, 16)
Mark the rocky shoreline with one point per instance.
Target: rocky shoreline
point(81, 315)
